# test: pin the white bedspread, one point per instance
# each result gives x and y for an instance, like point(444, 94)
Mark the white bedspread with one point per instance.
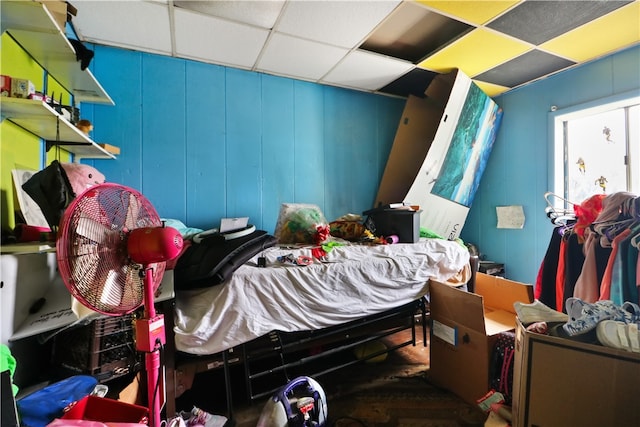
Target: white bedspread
point(357, 281)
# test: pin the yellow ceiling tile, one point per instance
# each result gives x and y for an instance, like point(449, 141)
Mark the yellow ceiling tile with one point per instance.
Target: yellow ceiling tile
point(478, 51)
point(602, 36)
point(471, 11)
point(491, 89)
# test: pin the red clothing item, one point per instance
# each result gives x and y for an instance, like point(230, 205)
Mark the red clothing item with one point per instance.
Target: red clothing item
point(605, 285)
point(586, 213)
point(560, 275)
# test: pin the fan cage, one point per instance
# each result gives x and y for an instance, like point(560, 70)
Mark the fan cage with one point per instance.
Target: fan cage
point(92, 248)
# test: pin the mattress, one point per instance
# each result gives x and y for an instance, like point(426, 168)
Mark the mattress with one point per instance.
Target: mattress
point(354, 281)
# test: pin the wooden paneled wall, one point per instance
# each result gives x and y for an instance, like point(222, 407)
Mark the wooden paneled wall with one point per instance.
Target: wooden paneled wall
point(204, 142)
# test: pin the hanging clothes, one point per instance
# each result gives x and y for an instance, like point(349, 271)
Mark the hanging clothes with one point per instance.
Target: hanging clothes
point(560, 273)
point(624, 283)
point(608, 276)
point(544, 289)
point(552, 267)
point(587, 286)
point(574, 259)
point(596, 256)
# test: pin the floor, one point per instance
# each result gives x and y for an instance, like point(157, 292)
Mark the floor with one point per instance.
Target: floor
point(347, 383)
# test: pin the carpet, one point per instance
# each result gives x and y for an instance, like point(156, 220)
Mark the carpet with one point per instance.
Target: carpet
point(393, 392)
point(396, 396)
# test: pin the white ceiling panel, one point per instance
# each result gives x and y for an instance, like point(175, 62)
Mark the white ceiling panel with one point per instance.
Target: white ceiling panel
point(139, 25)
point(214, 40)
point(259, 13)
point(291, 56)
point(340, 23)
point(367, 71)
point(359, 44)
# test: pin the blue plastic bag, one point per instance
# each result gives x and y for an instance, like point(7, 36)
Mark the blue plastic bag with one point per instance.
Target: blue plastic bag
point(41, 407)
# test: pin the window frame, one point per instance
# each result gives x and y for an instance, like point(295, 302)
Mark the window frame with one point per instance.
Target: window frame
point(557, 161)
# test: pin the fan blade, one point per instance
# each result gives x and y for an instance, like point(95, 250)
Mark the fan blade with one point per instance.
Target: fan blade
point(93, 230)
point(133, 213)
point(112, 292)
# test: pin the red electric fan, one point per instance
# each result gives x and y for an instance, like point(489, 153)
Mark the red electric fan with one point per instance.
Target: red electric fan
point(112, 250)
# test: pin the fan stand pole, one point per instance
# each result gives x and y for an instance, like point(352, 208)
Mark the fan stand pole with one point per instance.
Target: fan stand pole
point(150, 337)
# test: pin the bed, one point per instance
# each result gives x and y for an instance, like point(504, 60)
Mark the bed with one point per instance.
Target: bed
point(360, 292)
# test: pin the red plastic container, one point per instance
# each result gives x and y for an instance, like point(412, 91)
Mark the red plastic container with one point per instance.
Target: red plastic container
point(93, 408)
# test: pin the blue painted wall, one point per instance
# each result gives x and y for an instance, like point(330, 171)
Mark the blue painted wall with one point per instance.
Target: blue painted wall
point(204, 142)
point(518, 169)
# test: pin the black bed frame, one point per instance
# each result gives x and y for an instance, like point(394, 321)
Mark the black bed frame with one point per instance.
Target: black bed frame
point(282, 345)
point(279, 356)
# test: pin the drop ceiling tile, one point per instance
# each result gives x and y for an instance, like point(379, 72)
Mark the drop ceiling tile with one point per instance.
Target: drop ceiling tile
point(215, 40)
point(133, 25)
point(291, 56)
point(233, 33)
point(475, 53)
point(415, 83)
point(366, 71)
point(469, 11)
point(525, 68)
point(259, 13)
point(412, 32)
point(340, 23)
point(491, 89)
point(596, 39)
point(540, 21)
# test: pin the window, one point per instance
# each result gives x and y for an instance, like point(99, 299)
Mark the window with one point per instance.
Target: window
point(596, 149)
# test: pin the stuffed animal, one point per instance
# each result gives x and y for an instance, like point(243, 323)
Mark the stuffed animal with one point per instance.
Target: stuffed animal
point(55, 186)
point(82, 176)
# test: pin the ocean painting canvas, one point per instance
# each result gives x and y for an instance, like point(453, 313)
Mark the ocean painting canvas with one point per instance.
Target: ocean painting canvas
point(469, 148)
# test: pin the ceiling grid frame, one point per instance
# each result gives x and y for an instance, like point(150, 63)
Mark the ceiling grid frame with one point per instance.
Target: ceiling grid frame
point(357, 22)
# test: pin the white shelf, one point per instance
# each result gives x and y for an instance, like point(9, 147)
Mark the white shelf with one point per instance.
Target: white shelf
point(40, 119)
point(33, 27)
point(57, 312)
point(28, 248)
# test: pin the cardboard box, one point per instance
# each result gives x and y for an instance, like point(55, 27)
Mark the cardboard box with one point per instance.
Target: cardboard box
point(110, 148)
point(440, 152)
point(22, 88)
point(560, 382)
point(60, 12)
point(464, 329)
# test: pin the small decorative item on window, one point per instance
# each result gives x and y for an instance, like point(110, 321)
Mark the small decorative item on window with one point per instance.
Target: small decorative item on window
point(607, 134)
point(602, 182)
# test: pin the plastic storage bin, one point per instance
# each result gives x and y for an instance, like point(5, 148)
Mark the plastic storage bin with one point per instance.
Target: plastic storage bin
point(94, 408)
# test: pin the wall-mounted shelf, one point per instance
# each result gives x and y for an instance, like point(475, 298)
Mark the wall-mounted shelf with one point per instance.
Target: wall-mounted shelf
point(27, 248)
point(33, 27)
point(40, 119)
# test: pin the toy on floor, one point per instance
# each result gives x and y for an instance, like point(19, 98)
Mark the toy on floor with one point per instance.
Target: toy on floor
point(300, 403)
